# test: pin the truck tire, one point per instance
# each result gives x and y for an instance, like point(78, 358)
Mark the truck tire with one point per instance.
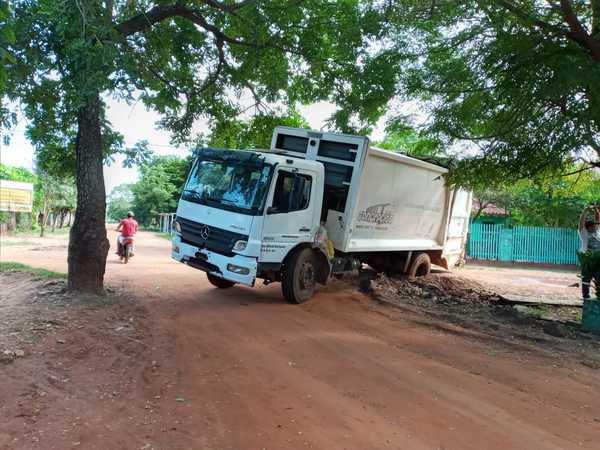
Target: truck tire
point(420, 265)
point(219, 282)
point(298, 281)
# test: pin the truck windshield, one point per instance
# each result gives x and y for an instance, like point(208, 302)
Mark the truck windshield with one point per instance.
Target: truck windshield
point(229, 183)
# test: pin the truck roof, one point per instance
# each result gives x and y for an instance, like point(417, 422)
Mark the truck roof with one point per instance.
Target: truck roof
point(281, 158)
point(382, 153)
point(270, 156)
point(398, 155)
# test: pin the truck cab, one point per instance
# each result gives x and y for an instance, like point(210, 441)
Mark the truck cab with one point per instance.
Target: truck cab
point(244, 215)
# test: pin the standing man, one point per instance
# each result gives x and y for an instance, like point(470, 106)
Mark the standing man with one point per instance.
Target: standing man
point(589, 233)
point(128, 227)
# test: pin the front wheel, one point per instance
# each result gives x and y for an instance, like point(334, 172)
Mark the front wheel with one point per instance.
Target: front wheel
point(221, 283)
point(298, 283)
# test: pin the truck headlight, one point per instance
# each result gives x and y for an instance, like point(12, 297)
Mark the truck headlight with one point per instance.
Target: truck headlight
point(177, 226)
point(240, 246)
point(238, 269)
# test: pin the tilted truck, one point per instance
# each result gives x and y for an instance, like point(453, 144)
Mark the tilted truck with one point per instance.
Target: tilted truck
point(316, 205)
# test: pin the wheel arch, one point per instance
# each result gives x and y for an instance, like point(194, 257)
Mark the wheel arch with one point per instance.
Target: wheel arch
point(323, 267)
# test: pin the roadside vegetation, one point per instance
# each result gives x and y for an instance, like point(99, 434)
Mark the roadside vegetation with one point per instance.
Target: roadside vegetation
point(36, 272)
point(54, 200)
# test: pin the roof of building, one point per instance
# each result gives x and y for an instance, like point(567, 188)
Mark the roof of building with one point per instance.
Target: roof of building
point(490, 209)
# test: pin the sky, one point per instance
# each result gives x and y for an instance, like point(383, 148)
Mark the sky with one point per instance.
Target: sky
point(137, 123)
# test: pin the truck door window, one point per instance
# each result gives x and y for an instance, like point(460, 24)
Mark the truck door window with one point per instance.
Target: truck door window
point(292, 192)
point(337, 180)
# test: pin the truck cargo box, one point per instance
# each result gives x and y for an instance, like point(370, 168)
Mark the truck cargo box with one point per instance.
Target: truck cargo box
point(380, 201)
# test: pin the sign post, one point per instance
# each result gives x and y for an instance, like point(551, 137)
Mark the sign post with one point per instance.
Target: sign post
point(16, 196)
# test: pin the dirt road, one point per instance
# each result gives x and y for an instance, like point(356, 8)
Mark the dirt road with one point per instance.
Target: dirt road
point(241, 369)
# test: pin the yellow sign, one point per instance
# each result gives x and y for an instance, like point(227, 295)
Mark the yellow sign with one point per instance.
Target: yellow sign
point(16, 196)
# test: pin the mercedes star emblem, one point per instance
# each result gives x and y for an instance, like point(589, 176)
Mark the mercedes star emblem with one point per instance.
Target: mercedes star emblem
point(204, 232)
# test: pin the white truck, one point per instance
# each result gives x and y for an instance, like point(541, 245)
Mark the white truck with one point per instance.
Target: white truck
point(317, 204)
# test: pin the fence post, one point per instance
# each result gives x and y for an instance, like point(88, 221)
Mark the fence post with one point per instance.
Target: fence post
point(505, 252)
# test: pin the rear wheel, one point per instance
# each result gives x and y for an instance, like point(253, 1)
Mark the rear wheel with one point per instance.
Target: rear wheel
point(298, 283)
point(420, 265)
point(221, 283)
point(127, 253)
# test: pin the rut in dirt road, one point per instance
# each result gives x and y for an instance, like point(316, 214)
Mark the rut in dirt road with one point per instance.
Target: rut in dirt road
point(241, 369)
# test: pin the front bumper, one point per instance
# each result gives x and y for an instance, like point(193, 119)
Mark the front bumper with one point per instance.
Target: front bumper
point(214, 263)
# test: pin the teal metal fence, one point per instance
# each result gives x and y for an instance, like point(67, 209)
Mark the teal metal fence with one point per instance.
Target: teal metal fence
point(523, 244)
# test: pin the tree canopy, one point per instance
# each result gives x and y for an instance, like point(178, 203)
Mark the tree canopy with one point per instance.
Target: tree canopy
point(519, 79)
point(120, 202)
point(554, 201)
point(253, 133)
point(159, 187)
point(185, 59)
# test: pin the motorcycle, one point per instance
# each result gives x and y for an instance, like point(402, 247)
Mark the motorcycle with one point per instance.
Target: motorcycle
point(126, 249)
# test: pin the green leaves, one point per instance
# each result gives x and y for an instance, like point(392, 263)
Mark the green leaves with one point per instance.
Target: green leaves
point(508, 80)
point(7, 38)
point(255, 133)
point(188, 60)
point(158, 189)
point(552, 201)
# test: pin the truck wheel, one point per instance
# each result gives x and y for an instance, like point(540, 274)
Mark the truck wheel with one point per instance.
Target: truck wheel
point(298, 283)
point(420, 265)
point(219, 282)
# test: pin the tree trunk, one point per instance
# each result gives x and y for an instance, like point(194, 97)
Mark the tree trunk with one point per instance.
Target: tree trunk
point(88, 244)
point(43, 217)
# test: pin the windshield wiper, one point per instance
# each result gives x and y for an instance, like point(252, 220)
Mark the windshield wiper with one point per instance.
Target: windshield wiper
point(206, 199)
point(231, 204)
point(194, 194)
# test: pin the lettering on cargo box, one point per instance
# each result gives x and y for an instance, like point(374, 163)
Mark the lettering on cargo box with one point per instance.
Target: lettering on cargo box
point(381, 214)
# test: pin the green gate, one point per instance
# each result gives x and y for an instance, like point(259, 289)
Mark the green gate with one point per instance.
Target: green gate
point(523, 244)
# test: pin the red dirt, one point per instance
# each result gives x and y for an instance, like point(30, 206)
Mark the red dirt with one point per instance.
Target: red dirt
point(240, 369)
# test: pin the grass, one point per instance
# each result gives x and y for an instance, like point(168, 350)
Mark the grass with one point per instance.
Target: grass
point(35, 232)
point(40, 274)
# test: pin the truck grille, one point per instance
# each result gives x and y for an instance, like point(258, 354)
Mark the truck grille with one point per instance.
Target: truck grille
point(218, 240)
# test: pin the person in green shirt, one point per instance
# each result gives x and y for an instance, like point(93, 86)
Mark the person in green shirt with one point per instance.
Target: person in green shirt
point(589, 234)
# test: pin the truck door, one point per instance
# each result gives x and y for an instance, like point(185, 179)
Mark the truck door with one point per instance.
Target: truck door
point(291, 216)
point(458, 227)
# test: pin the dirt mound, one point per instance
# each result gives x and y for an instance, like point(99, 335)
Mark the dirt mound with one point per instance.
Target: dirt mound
point(434, 288)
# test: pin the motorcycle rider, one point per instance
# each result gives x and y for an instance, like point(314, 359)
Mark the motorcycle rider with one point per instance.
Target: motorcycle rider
point(128, 227)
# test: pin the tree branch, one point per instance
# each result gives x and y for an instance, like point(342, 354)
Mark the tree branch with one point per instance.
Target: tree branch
point(144, 21)
point(590, 167)
point(523, 15)
point(576, 32)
